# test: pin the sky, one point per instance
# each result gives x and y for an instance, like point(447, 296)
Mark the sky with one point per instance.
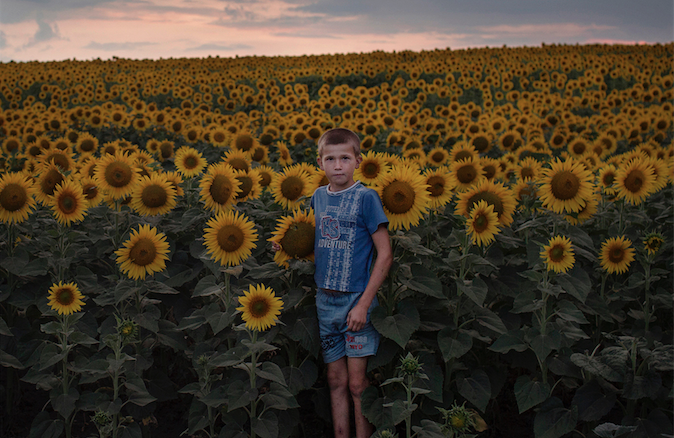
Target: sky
point(55, 30)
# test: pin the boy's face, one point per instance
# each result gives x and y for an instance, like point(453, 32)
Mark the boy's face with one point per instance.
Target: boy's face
point(339, 162)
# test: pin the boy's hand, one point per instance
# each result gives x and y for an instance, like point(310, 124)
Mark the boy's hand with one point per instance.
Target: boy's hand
point(275, 247)
point(357, 318)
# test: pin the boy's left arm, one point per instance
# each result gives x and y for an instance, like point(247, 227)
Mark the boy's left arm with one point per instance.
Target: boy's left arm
point(357, 317)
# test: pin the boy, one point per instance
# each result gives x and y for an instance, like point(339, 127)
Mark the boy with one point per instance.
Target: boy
point(350, 224)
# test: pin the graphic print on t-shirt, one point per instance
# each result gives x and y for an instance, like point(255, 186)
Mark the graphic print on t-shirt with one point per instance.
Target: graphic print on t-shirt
point(338, 230)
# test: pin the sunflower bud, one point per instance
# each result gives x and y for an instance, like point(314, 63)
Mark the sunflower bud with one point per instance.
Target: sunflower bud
point(410, 366)
point(101, 418)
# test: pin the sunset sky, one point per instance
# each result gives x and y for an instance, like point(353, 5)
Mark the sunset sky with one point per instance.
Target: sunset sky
point(53, 30)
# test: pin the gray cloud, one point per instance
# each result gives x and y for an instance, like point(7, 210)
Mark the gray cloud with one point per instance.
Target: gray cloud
point(45, 32)
point(114, 47)
point(212, 47)
point(3, 40)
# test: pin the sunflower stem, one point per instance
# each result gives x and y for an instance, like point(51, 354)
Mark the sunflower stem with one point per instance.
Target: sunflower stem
point(604, 276)
point(65, 380)
point(253, 378)
point(647, 304)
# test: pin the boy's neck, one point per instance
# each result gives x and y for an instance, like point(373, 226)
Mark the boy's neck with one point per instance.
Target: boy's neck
point(331, 190)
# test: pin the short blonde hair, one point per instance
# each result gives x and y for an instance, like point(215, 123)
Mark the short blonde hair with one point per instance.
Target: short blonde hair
point(339, 136)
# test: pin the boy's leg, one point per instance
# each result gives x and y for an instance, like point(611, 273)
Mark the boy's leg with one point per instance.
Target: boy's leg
point(358, 381)
point(338, 381)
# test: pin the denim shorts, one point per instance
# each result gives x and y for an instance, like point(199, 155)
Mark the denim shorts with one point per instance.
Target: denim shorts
point(337, 340)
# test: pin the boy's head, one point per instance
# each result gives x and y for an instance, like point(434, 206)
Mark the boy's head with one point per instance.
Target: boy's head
point(339, 136)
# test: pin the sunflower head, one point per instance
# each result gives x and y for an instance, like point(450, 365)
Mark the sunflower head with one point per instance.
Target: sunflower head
point(65, 299)
point(616, 255)
point(482, 225)
point(260, 307)
point(144, 253)
point(558, 254)
point(410, 366)
point(653, 242)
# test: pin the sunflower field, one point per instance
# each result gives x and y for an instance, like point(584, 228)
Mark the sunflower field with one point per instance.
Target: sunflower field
point(529, 193)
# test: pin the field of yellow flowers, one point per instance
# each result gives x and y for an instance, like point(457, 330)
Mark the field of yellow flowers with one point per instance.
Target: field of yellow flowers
point(529, 193)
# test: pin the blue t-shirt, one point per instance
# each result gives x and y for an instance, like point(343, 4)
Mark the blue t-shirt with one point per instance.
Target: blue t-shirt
point(343, 248)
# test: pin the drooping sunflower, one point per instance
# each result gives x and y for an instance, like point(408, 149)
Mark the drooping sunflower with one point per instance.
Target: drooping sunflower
point(144, 253)
point(116, 175)
point(50, 176)
point(219, 187)
point(653, 242)
point(404, 195)
point(65, 299)
point(371, 168)
point(260, 307)
point(230, 237)
point(558, 254)
point(482, 223)
point(295, 234)
point(189, 161)
point(661, 172)
point(153, 195)
point(634, 181)
point(606, 176)
point(493, 193)
point(566, 186)
point(439, 186)
point(250, 184)
point(176, 182)
point(92, 195)
point(585, 213)
point(16, 197)
point(616, 254)
point(284, 158)
point(290, 186)
point(68, 203)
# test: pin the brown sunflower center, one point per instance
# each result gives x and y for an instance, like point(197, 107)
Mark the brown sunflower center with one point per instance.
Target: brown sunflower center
point(221, 189)
point(118, 174)
point(438, 157)
point(166, 150)
point(398, 197)
point(50, 181)
point(67, 204)
point(90, 191)
point(480, 223)
point(463, 155)
point(608, 179)
point(154, 196)
point(292, 187)
point(265, 179)
point(466, 174)
point(259, 308)
point(13, 197)
point(370, 170)
point(634, 181)
point(527, 172)
point(87, 145)
point(556, 253)
point(489, 198)
point(616, 255)
point(11, 145)
point(258, 154)
point(481, 143)
point(190, 162)
point(230, 238)
point(298, 240)
point(565, 185)
point(143, 252)
point(64, 296)
point(238, 163)
point(244, 142)
point(436, 186)
point(219, 137)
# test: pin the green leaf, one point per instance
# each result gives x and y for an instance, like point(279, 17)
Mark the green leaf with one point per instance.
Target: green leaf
point(207, 286)
point(137, 392)
point(610, 430)
point(240, 394)
point(305, 331)
point(476, 389)
point(266, 425)
point(398, 410)
point(400, 326)
point(7, 360)
point(170, 336)
point(489, 319)
point(592, 403)
point(553, 420)
point(475, 289)
point(533, 275)
point(596, 367)
point(526, 301)
point(268, 270)
point(278, 397)
point(219, 396)
point(429, 429)
point(50, 355)
point(229, 358)
point(530, 393)
point(4, 329)
point(217, 319)
point(16, 264)
point(569, 312)
point(454, 344)
point(44, 427)
point(64, 404)
point(576, 283)
point(271, 371)
point(80, 338)
point(513, 340)
point(543, 345)
point(425, 281)
point(374, 410)
point(637, 387)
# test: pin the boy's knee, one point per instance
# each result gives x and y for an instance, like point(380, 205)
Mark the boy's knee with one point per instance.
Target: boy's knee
point(337, 379)
point(357, 386)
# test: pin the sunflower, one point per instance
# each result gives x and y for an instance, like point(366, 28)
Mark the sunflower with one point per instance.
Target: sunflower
point(404, 195)
point(295, 234)
point(482, 224)
point(660, 171)
point(65, 299)
point(558, 254)
point(230, 238)
point(465, 173)
point(260, 307)
point(616, 254)
point(437, 157)
point(439, 186)
point(250, 184)
point(189, 161)
point(266, 175)
point(463, 151)
point(491, 168)
point(653, 242)
point(635, 181)
point(176, 182)
point(50, 176)
point(566, 186)
point(238, 159)
point(219, 187)
point(166, 150)
point(219, 137)
point(284, 158)
point(528, 168)
point(371, 169)
point(144, 253)
point(16, 197)
point(92, 195)
point(86, 144)
point(116, 175)
point(585, 213)
point(153, 195)
point(606, 176)
point(290, 186)
point(68, 203)
point(493, 193)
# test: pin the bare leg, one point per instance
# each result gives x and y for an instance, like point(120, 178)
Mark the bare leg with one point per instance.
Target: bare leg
point(357, 367)
point(338, 380)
